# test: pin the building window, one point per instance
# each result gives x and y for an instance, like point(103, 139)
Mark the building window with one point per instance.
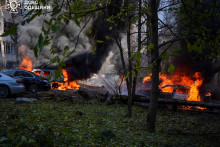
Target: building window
point(12, 49)
point(7, 48)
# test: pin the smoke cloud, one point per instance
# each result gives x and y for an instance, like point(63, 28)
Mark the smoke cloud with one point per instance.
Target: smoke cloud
point(84, 62)
point(68, 36)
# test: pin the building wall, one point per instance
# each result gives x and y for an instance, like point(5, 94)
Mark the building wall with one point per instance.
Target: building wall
point(8, 43)
point(10, 55)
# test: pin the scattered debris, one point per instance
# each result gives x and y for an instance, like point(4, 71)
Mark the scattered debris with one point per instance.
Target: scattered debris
point(46, 95)
point(99, 93)
point(84, 93)
point(25, 99)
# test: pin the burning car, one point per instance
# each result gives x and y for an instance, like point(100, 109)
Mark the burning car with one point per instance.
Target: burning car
point(31, 81)
point(9, 85)
point(49, 74)
point(180, 86)
point(179, 92)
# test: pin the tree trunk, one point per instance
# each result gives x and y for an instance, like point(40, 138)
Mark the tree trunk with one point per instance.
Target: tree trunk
point(129, 88)
point(121, 55)
point(151, 117)
point(139, 48)
point(129, 79)
point(1, 38)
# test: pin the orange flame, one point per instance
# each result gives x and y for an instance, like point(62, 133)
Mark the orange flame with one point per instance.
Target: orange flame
point(37, 73)
point(180, 78)
point(208, 94)
point(45, 74)
point(147, 78)
point(26, 64)
point(123, 79)
point(194, 90)
point(66, 84)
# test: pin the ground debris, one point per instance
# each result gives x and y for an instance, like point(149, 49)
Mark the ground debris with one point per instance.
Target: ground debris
point(93, 93)
point(46, 95)
point(25, 99)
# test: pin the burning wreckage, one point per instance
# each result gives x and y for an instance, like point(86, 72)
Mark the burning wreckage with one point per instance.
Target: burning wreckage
point(180, 86)
point(187, 85)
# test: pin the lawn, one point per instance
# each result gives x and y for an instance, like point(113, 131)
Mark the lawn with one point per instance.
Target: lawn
point(62, 123)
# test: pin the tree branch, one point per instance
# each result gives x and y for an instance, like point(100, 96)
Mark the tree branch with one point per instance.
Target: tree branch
point(168, 27)
point(161, 9)
point(171, 41)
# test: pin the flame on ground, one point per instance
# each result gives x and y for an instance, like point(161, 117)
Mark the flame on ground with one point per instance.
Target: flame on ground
point(66, 84)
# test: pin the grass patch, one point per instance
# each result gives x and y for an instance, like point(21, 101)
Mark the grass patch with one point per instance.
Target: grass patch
point(49, 123)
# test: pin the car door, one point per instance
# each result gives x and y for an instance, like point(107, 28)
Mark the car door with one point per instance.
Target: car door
point(28, 78)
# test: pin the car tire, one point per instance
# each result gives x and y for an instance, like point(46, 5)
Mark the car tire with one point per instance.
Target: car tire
point(4, 91)
point(33, 88)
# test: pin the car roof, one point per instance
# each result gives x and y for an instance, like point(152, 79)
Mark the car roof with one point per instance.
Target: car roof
point(14, 70)
point(170, 85)
point(42, 69)
point(17, 70)
point(5, 76)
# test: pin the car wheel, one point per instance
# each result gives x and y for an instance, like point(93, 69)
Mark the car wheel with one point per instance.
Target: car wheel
point(4, 91)
point(32, 88)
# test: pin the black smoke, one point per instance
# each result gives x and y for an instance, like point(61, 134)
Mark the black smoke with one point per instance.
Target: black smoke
point(83, 65)
point(192, 61)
